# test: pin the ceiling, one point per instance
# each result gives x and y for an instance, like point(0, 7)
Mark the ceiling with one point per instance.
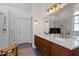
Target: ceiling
point(39, 9)
point(65, 12)
point(36, 9)
point(17, 5)
point(26, 6)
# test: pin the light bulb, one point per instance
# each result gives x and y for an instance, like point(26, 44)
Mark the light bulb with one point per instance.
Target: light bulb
point(53, 8)
point(49, 11)
point(58, 5)
point(57, 8)
point(61, 5)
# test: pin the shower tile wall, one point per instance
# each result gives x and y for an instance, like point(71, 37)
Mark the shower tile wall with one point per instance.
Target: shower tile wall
point(9, 36)
point(4, 35)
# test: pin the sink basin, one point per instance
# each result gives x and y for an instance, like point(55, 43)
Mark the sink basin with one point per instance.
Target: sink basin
point(61, 39)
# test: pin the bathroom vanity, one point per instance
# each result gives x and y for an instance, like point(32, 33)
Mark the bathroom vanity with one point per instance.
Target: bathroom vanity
point(50, 46)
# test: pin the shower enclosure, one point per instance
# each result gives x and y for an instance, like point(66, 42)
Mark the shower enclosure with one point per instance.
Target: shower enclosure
point(4, 29)
point(14, 29)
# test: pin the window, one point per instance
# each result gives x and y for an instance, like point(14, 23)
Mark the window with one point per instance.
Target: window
point(76, 21)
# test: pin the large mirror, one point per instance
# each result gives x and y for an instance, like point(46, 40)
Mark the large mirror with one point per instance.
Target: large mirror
point(67, 19)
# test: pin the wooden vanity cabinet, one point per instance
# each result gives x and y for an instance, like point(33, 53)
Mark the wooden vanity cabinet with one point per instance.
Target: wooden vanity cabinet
point(42, 45)
point(48, 48)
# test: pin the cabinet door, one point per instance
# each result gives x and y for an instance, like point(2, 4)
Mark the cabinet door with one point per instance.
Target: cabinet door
point(52, 49)
point(37, 42)
point(47, 47)
point(47, 43)
point(61, 51)
point(46, 51)
point(43, 45)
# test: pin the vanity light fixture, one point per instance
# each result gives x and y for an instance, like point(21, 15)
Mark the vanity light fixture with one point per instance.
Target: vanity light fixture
point(55, 8)
point(47, 22)
point(35, 21)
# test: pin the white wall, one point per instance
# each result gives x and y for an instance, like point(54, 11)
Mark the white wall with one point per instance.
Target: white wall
point(38, 12)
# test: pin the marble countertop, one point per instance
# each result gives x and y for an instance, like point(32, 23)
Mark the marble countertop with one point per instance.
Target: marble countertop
point(70, 43)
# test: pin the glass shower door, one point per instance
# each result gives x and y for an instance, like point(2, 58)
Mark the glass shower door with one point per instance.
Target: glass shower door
point(13, 29)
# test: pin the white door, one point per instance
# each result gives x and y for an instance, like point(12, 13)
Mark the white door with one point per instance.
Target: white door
point(25, 30)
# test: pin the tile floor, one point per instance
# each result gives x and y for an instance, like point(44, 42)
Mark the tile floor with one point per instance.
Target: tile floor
point(27, 50)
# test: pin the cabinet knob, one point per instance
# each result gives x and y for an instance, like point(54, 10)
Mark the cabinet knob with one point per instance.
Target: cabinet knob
point(44, 48)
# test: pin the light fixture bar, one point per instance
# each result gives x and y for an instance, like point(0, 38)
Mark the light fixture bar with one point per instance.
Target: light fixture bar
point(55, 8)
